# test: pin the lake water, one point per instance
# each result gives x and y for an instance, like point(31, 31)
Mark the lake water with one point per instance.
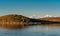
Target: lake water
point(36, 30)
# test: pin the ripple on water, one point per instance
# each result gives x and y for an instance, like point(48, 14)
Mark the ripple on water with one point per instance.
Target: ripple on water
point(32, 31)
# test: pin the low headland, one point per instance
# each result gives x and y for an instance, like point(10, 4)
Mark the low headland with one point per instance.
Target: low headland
point(18, 21)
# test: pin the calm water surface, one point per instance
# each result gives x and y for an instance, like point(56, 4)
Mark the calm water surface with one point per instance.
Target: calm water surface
point(36, 30)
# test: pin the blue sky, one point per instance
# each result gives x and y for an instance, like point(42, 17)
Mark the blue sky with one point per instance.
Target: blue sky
point(30, 7)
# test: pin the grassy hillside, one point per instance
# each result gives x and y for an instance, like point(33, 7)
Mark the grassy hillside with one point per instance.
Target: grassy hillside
point(13, 21)
point(14, 17)
point(56, 19)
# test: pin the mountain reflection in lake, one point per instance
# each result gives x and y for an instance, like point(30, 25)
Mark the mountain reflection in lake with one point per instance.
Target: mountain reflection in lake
point(36, 30)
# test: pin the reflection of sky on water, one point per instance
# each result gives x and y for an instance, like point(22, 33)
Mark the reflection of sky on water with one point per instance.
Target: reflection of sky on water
point(37, 29)
point(32, 31)
point(44, 30)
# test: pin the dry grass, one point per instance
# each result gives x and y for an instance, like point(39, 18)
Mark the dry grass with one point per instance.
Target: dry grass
point(56, 19)
point(13, 18)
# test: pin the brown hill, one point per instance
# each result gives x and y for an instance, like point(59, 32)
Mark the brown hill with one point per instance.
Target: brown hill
point(56, 19)
point(13, 21)
point(13, 17)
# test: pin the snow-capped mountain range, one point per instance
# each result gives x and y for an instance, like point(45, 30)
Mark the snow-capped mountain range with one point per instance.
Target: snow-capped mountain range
point(34, 16)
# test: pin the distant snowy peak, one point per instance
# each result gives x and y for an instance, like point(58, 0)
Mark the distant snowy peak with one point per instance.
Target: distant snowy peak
point(35, 16)
point(49, 16)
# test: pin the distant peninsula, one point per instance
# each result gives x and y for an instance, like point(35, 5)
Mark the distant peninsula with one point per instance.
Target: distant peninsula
point(20, 21)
